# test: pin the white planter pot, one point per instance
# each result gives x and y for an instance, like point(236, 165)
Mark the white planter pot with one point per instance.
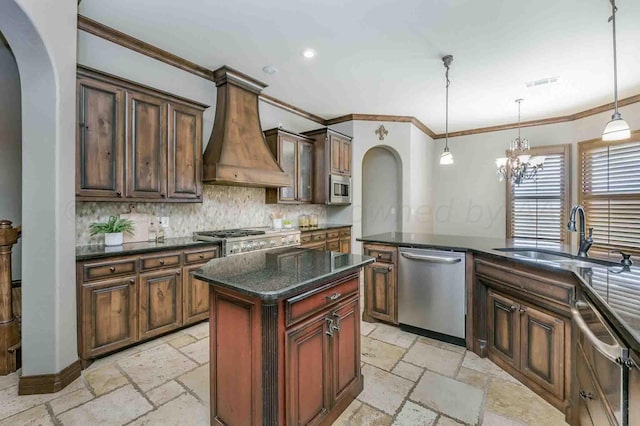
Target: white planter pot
point(113, 239)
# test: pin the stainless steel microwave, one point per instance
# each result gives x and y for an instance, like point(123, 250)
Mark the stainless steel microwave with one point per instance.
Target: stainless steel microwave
point(339, 190)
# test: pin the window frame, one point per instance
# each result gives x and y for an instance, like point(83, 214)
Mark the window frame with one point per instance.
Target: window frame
point(599, 143)
point(565, 150)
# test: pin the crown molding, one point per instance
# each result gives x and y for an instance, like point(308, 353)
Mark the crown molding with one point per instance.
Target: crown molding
point(111, 34)
point(553, 120)
point(377, 117)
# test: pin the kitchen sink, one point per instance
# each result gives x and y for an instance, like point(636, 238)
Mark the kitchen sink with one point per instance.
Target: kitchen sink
point(556, 257)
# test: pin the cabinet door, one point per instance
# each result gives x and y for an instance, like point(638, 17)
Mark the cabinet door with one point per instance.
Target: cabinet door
point(504, 328)
point(381, 292)
point(146, 147)
point(345, 245)
point(542, 349)
point(346, 348)
point(335, 149)
point(345, 157)
point(108, 315)
point(185, 153)
point(307, 372)
point(287, 160)
point(160, 302)
point(305, 172)
point(195, 296)
point(99, 140)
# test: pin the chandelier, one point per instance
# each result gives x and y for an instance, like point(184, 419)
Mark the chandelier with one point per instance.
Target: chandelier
point(519, 166)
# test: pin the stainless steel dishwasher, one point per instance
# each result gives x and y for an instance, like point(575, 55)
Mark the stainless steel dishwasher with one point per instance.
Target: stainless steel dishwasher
point(431, 293)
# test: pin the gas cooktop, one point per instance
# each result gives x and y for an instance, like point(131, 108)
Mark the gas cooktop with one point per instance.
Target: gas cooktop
point(237, 241)
point(230, 233)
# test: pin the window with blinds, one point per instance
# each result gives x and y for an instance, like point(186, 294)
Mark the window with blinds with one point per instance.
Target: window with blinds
point(537, 209)
point(610, 192)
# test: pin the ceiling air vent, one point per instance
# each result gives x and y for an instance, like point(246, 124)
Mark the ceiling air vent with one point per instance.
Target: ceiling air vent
point(542, 82)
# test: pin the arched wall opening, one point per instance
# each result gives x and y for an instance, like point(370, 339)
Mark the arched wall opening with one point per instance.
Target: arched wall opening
point(42, 36)
point(381, 191)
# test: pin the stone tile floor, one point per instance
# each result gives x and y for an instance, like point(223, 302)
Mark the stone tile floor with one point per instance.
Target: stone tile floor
point(409, 380)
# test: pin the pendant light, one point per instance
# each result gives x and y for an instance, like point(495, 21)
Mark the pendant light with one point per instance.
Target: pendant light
point(447, 158)
point(617, 129)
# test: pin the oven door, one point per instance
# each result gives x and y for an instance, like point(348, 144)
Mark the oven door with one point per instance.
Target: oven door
point(339, 189)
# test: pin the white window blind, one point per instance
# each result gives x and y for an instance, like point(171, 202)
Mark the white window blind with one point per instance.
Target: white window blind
point(537, 209)
point(610, 192)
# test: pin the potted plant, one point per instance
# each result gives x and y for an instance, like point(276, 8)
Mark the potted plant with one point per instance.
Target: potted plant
point(113, 230)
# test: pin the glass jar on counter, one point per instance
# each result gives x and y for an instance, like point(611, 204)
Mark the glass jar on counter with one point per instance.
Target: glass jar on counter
point(313, 220)
point(303, 221)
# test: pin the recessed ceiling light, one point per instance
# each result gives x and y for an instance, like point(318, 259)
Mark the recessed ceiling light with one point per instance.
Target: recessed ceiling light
point(308, 53)
point(270, 69)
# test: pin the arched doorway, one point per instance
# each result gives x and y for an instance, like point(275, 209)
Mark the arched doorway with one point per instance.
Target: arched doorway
point(381, 191)
point(47, 94)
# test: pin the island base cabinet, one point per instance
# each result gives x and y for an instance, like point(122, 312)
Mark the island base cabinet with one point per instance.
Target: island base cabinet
point(381, 284)
point(294, 361)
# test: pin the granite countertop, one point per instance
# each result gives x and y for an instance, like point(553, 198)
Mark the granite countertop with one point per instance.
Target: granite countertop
point(614, 290)
point(323, 227)
point(101, 251)
point(274, 274)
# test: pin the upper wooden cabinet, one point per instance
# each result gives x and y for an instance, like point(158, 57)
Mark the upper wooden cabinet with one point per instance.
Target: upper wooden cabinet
point(332, 156)
point(135, 142)
point(294, 154)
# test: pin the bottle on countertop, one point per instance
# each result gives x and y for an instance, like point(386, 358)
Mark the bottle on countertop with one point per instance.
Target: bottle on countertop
point(160, 234)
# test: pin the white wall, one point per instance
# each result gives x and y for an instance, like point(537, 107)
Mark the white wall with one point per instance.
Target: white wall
point(11, 150)
point(42, 35)
point(469, 200)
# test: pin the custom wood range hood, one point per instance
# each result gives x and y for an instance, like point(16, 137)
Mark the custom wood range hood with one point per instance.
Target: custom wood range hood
point(237, 153)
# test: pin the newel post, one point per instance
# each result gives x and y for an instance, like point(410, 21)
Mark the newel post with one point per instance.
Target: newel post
point(9, 328)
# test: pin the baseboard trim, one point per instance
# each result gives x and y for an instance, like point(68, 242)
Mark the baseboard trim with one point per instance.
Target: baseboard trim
point(49, 383)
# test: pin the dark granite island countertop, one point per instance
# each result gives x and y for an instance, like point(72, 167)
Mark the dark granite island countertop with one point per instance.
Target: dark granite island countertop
point(275, 274)
point(614, 290)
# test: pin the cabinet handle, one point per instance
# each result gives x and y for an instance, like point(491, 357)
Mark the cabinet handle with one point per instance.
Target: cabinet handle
point(334, 296)
point(329, 332)
point(161, 262)
point(336, 327)
point(112, 269)
point(132, 281)
point(523, 310)
point(586, 395)
point(178, 272)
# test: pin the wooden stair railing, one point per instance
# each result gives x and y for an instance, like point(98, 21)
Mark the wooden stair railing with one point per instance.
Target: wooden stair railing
point(9, 327)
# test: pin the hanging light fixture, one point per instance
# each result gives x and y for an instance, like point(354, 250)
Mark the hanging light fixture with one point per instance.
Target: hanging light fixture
point(446, 157)
point(519, 165)
point(616, 129)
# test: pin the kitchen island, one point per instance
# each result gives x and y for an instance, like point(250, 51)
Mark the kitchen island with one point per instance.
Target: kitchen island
point(284, 336)
point(568, 327)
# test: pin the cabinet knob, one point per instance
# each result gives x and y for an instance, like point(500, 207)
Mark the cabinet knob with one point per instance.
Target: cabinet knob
point(512, 308)
point(379, 255)
point(586, 395)
point(161, 262)
point(119, 194)
point(389, 268)
point(178, 272)
point(201, 256)
point(523, 310)
point(112, 269)
point(132, 281)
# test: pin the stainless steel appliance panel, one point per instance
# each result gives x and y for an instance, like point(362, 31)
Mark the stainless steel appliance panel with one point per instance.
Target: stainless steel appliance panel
point(431, 290)
point(339, 190)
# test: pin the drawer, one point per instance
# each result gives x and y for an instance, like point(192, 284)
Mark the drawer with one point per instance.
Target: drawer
point(345, 232)
point(333, 234)
point(159, 261)
point(333, 245)
point(112, 268)
point(535, 282)
point(200, 256)
point(305, 238)
point(319, 236)
point(314, 246)
point(306, 304)
point(381, 253)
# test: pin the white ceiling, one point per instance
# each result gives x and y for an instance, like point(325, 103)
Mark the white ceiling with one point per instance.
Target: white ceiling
point(384, 56)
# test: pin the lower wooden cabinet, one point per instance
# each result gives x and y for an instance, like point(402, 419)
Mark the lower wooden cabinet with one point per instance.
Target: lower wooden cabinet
point(503, 328)
point(381, 284)
point(160, 307)
point(334, 239)
point(108, 316)
point(127, 299)
point(195, 296)
point(345, 348)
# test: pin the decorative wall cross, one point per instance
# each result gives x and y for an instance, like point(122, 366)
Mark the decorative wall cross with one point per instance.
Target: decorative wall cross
point(382, 132)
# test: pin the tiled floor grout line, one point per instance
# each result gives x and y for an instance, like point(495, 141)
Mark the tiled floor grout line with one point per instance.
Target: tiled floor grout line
point(53, 417)
point(134, 384)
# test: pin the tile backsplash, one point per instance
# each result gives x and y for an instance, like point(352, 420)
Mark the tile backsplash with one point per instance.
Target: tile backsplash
point(223, 207)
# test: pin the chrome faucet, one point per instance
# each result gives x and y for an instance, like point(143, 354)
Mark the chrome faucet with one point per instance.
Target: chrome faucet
point(585, 242)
